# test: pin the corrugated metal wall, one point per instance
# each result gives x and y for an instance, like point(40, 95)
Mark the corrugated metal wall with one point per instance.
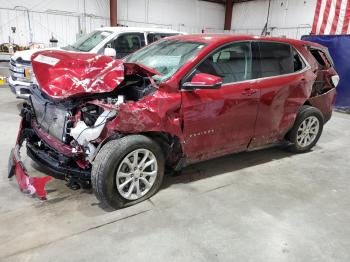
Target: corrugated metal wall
point(62, 19)
point(190, 16)
point(290, 18)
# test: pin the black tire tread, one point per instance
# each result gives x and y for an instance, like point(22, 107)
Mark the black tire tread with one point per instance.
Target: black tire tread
point(98, 174)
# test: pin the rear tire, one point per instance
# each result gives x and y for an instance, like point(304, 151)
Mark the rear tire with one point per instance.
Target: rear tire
point(306, 131)
point(120, 179)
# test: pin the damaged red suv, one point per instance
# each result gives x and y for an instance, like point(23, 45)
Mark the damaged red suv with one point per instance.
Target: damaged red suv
point(119, 125)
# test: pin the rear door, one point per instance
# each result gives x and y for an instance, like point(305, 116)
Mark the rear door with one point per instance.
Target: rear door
point(220, 121)
point(285, 84)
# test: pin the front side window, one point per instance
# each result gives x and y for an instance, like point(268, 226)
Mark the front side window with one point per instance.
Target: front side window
point(276, 59)
point(166, 56)
point(233, 63)
point(89, 41)
point(127, 43)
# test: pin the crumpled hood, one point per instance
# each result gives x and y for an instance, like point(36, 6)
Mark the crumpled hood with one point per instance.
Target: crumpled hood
point(63, 74)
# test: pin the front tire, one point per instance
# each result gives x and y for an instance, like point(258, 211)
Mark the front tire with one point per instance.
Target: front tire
point(127, 171)
point(306, 131)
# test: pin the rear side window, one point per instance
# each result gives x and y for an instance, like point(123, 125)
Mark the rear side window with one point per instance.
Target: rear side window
point(276, 59)
point(320, 57)
point(152, 37)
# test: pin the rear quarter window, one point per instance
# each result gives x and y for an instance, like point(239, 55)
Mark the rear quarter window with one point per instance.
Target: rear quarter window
point(298, 62)
point(321, 57)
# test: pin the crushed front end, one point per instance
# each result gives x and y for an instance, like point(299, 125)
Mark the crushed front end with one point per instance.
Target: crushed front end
point(70, 115)
point(46, 132)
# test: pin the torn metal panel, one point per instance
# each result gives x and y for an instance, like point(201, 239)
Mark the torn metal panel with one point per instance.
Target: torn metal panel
point(324, 102)
point(52, 141)
point(33, 185)
point(157, 112)
point(131, 69)
point(28, 184)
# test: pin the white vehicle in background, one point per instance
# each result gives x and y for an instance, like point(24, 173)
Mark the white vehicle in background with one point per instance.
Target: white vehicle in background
point(116, 42)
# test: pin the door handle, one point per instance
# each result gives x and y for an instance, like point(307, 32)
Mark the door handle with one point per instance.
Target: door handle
point(249, 91)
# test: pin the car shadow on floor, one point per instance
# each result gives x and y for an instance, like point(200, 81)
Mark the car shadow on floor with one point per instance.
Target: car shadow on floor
point(206, 169)
point(212, 167)
point(225, 164)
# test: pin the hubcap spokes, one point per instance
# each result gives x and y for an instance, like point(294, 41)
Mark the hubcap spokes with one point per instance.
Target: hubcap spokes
point(308, 131)
point(136, 174)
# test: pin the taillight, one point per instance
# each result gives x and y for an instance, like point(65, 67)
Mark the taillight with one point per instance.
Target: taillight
point(335, 80)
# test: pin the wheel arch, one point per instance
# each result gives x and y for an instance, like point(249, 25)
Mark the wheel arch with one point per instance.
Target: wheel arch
point(307, 103)
point(170, 144)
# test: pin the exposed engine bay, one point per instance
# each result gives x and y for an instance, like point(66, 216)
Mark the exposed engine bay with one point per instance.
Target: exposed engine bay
point(75, 126)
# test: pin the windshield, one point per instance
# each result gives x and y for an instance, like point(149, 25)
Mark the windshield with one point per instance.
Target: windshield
point(166, 56)
point(88, 42)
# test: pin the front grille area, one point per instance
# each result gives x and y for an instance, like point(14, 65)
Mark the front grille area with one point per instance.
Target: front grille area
point(17, 70)
point(50, 117)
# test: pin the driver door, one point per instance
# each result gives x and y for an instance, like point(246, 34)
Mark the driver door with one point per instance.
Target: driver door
point(221, 121)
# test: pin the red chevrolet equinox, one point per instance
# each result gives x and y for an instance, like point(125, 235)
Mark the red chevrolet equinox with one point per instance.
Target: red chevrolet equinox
point(119, 125)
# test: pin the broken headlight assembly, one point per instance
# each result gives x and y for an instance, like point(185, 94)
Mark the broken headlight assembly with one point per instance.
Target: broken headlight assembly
point(89, 128)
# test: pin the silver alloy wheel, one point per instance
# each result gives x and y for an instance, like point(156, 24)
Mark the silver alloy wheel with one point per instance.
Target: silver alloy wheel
point(136, 174)
point(307, 131)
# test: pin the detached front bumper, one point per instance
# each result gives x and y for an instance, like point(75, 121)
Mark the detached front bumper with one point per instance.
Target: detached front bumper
point(19, 88)
point(27, 184)
point(48, 152)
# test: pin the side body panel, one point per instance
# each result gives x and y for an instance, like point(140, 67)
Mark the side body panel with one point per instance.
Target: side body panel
point(280, 100)
point(158, 112)
point(218, 122)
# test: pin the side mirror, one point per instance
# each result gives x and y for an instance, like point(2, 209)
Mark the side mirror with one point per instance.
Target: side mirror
point(110, 52)
point(203, 81)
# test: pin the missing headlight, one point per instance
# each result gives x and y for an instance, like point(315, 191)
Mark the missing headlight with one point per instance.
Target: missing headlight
point(90, 113)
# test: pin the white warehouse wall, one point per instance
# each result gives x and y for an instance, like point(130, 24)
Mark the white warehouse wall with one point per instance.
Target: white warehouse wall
point(291, 18)
point(62, 19)
point(190, 16)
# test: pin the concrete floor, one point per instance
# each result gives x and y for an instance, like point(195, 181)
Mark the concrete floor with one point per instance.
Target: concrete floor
point(266, 205)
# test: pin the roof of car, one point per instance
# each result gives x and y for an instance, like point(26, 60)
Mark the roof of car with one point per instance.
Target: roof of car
point(138, 29)
point(223, 38)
